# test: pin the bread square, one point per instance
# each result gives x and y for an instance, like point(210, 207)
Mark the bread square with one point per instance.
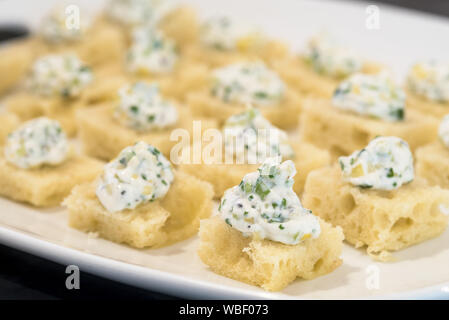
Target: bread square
point(284, 115)
point(382, 221)
point(173, 218)
point(46, 186)
point(15, 60)
point(8, 122)
point(269, 53)
point(103, 137)
point(302, 77)
point(224, 176)
point(265, 263)
point(343, 132)
point(425, 106)
point(432, 164)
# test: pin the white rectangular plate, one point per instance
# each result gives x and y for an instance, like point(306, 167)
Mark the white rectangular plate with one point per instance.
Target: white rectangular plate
point(419, 272)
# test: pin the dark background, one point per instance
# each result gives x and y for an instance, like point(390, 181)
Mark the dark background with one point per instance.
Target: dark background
point(23, 276)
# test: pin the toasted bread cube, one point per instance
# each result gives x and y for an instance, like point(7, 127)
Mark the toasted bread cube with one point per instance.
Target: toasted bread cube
point(343, 132)
point(173, 218)
point(265, 263)
point(103, 137)
point(380, 220)
point(15, 60)
point(100, 45)
point(432, 164)
point(181, 25)
point(425, 106)
point(8, 122)
point(46, 186)
point(284, 115)
point(268, 52)
point(301, 76)
point(224, 176)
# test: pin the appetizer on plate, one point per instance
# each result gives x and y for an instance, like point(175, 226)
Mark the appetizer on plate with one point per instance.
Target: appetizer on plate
point(140, 200)
point(322, 66)
point(247, 139)
point(432, 161)
point(37, 164)
point(427, 88)
point(231, 88)
point(376, 199)
point(67, 29)
point(267, 238)
point(178, 22)
point(141, 114)
point(223, 41)
point(363, 107)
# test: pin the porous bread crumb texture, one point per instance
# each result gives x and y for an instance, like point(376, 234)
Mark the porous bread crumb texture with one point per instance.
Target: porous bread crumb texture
point(173, 218)
point(269, 53)
point(343, 132)
point(49, 185)
point(8, 122)
point(28, 106)
point(432, 164)
point(265, 263)
point(425, 106)
point(295, 70)
point(103, 137)
point(225, 176)
point(285, 115)
point(382, 221)
point(15, 59)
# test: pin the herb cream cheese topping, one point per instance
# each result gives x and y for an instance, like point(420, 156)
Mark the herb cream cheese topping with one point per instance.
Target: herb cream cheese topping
point(430, 80)
point(245, 83)
point(264, 205)
point(59, 26)
point(250, 138)
point(143, 108)
point(36, 143)
point(151, 52)
point(59, 75)
point(222, 33)
point(137, 12)
point(327, 57)
point(140, 174)
point(385, 164)
point(443, 130)
point(375, 96)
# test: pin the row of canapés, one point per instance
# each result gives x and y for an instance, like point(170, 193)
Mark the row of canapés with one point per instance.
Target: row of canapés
point(152, 69)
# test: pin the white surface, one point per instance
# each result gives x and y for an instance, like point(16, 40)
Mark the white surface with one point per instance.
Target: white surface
point(421, 271)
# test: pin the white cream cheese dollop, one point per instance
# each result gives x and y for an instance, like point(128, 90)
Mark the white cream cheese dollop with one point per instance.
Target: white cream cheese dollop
point(385, 164)
point(251, 138)
point(143, 108)
point(264, 205)
point(328, 57)
point(430, 80)
point(140, 174)
point(59, 75)
point(137, 12)
point(151, 52)
point(36, 143)
point(222, 33)
point(61, 26)
point(375, 96)
point(443, 130)
point(245, 83)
